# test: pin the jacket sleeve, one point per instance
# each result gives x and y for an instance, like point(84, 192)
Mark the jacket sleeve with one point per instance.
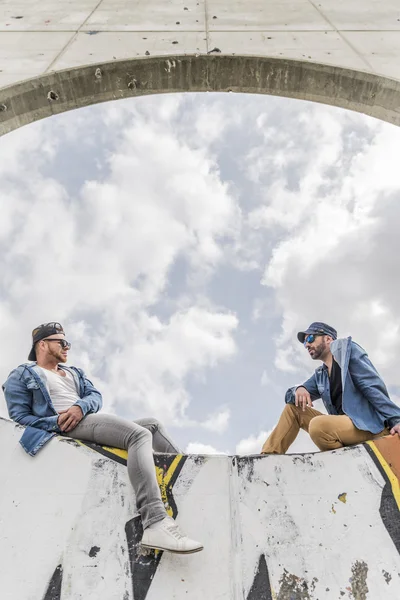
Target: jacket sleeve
point(19, 404)
point(91, 400)
point(367, 379)
point(311, 387)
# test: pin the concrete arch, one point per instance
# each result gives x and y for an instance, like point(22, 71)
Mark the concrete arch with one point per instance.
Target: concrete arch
point(54, 93)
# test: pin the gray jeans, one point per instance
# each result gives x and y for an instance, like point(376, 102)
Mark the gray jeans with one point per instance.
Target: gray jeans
point(139, 438)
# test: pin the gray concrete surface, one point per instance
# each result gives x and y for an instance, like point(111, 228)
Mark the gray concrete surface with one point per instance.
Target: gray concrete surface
point(335, 51)
point(296, 527)
point(54, 93)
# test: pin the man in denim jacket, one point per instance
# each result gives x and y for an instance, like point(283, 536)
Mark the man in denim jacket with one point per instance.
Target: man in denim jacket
point(354, 395)
point(49, 398)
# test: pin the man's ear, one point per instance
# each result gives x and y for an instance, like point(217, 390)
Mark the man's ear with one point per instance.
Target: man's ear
point(329, 340)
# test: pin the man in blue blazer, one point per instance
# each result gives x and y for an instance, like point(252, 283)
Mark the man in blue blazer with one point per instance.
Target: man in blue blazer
point(355, 397)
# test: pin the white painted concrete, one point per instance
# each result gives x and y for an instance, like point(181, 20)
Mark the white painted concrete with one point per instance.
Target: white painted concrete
point(355, 34)
point(68, 500)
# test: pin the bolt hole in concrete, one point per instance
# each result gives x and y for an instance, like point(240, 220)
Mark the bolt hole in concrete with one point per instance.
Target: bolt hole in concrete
point(52, 96)
point(192, 235)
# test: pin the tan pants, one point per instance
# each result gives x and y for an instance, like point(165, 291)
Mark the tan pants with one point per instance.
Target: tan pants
point(326, 431)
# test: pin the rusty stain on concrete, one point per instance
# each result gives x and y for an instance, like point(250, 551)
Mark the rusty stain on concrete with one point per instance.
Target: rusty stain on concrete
point(293, 587)
point(358, 580)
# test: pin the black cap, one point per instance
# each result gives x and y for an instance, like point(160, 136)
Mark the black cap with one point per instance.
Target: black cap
point(318, 329)
point(41, 332)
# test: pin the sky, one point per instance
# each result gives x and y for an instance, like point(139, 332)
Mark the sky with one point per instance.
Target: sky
point(183, 240)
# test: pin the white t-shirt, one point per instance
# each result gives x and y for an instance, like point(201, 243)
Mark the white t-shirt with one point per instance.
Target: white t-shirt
point(62, 390)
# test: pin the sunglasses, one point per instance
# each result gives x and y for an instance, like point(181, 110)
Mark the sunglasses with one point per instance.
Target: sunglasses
point(63, 343)
point(309, 339)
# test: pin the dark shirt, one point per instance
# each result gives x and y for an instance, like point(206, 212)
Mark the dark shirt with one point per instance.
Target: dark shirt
point(335, 385)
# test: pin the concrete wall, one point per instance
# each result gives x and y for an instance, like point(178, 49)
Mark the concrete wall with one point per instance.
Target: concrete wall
point(299, 527)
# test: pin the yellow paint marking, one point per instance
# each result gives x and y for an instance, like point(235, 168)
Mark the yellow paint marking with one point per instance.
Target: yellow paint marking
point(117, 452)
point(171, 470)
point(391, 476)
point(164, 480)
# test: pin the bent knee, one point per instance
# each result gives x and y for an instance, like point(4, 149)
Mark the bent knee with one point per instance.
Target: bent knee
point(318, 425)
point(141, 435)
point(149, 423)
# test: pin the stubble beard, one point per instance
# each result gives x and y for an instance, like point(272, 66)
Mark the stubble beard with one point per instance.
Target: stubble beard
point(318, 351)
point(58, 355)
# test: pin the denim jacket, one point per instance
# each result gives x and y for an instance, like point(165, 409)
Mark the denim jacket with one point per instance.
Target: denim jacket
point(365, 397)
point(29, 403)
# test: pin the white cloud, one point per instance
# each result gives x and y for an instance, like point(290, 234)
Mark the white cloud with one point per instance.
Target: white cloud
point(252, 444)
point(131, 260)
point(199, 448)
point(336, 254)
point(218, 422)
point(100, 261)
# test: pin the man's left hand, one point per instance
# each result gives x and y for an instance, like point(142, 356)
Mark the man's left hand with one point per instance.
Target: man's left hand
point(70, 418)
point(395, 429)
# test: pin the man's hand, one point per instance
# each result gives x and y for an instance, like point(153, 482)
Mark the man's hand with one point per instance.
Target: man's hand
point(70, 418)
point(302, 398)
point(395, 429)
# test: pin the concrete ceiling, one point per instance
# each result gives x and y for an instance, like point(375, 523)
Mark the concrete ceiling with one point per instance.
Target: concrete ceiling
point(39, 39)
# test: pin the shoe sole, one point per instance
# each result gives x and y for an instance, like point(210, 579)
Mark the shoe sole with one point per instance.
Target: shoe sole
point(145, 547)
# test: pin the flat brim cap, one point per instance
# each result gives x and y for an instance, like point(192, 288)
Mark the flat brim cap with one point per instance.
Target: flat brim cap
point(317, 328)
point(41, 332)
point(32, 354)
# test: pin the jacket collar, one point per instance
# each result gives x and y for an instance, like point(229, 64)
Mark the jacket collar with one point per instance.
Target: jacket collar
point(341, 350)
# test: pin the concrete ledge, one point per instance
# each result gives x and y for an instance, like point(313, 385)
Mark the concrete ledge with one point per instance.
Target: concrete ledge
point(57, 92)
point(323, 525)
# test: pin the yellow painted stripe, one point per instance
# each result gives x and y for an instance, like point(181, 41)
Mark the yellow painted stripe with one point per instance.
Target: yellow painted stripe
point(172, 468)
point(391, 476)
point(117, 452)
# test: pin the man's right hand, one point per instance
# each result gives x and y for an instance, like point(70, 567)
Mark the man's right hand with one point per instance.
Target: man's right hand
point(69, 419)
point(302, 398)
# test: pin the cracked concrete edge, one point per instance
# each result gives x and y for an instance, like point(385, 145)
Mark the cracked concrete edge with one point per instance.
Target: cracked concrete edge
point(57, 92)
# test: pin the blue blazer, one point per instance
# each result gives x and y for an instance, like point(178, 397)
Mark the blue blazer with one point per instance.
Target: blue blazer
point(365, 397)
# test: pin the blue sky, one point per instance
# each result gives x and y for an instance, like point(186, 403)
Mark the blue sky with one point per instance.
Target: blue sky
point(183, 240)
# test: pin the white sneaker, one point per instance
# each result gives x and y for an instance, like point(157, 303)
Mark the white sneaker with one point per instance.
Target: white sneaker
point(168, 536)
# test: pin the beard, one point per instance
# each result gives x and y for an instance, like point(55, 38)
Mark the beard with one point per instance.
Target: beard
point(58, 355)
point(318, 351)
